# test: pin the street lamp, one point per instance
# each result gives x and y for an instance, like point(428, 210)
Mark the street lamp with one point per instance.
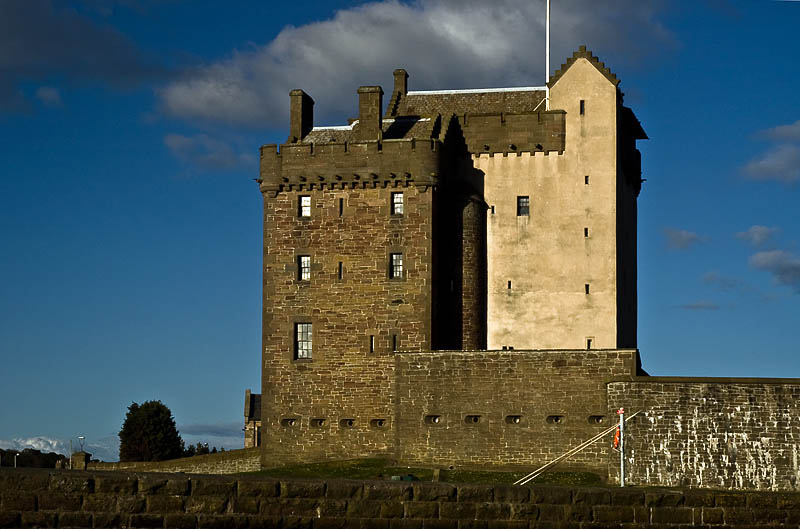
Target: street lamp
point(81, 438)
point(15, 459)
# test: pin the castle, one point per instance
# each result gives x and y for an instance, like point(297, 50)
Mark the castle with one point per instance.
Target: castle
point(451, 280)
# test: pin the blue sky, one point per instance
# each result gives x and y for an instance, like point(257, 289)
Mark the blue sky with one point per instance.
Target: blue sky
point(130, 222)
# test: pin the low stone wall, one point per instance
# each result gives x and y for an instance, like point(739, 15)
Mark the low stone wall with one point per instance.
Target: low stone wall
point(229, 462)
point(47, 498)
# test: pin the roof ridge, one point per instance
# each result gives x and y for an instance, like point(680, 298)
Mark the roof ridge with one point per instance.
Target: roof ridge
point(583, 53)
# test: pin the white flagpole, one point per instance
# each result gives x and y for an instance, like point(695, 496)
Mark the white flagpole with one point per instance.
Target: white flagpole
point(547, 57)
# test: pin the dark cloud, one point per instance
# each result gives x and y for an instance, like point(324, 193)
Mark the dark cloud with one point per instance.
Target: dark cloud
point(207, 153)
point(442, 43)
point(41, 39)
point(682, 239)
point(784, 267)
point(757, 235)
point(49, 96)
point(700, 305)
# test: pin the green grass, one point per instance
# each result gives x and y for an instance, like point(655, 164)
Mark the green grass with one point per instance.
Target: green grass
point(383, 469)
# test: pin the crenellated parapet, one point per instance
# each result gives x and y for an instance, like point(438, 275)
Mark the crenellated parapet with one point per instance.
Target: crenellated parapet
point(349, 165)
point(515, 132)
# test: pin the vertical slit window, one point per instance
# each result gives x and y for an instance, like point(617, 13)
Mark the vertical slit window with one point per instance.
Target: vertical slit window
point(583, 107)
point(397, 203)
point(586, 180)
point(523, 206)
point(396, 265)
point(302, 340)
point(394, 342)
point(585, 232)
point(371, 343)
point(303, 267)
point(340, 272)
point(588, 343)
point(341, 207)
point(586, 287)
point(304, 206)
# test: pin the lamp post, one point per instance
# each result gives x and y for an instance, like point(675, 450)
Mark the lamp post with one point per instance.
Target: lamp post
point(15, 459)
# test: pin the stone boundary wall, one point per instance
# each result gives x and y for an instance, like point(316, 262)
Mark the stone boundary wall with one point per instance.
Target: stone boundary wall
point(47, 498)
point(734, 433)
point(228, 462)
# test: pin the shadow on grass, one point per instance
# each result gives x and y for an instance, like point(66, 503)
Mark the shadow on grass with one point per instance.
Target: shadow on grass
point(383, 469)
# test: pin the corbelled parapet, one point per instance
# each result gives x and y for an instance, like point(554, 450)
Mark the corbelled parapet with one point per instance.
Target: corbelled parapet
point(370, 104)
point(301, 119)
point(306, 166)
point(515, 132)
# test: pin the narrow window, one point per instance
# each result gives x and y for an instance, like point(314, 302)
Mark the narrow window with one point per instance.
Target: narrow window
point(303, 267)
point(304, 209)
point(371, 343)
point(341, 207)
point(395, 265)
point(583, 107)
point(509, 285)
point(492, 210)
point(523, 206)
point(340, 272)
point(394, 342)
point(588, 343)
point(302, 341)
point(585, 232)
point(586, 287)
point(586, 180)
point(397, 203)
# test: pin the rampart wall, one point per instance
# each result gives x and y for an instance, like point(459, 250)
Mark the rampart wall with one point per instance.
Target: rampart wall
point(228, 462)
point(712, 432)
point(42, 498)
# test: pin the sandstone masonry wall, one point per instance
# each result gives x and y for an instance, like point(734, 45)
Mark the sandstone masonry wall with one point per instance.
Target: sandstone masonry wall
point(722, 433)
point(506, 408)
point(42, 498)
point(228, 462)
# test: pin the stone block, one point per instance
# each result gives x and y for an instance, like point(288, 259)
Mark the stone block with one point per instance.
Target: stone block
point(551, 495)
point(506, 524)
point(325, 522)
point(387, 490)
point(439, 524)
point(150, 484)
point(493, 511)
point(474, 493)
point(421, 509)
point(206, 504)
point(512, 494)
point(473, 524)
point(434, 492)
point(524, 511)
point(208, 486)
point(789, 500)
point(302, 489)
point(331, 508)
point(620, 496)
point(613, 514)
point(57, 501)
point(18, 501)
point(120, 483)
point(100, 503)
point(373, 523)
point(129, 504)
point(699, 498)
point(672, 515)
point(165, 503)
point(552, 513)
point(344, 490)
point(39, 519)
point(75, 519)
point(264, 522)
point(9, 519)
point(734, 516)
point(210, 521)
point(711, 516)
point(146, 520)
point(579, 513)
point(392, 509)
point(108, 520)
point(591, 497)
point(723, 499)
point(295, 522)
point(762, 500)
point(180, 521)
point(457, 511)
point(246, 505)
point(769, 516)
point(405, 523)
point(363, 509)
point(78, 483)
point(663, 499)
point(25, 481)
point(259, 488)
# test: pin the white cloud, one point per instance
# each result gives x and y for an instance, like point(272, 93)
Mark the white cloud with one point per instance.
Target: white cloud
point(783, 132)
point(780, 163)
point(757, 235)
point(784, 267)
point(442, 43)
point(105, 449)
point(49, 96)
point(682, 239)
point(207, 153)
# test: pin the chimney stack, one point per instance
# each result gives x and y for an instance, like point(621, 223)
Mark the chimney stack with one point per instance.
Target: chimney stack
point(400, 82)
point(301, 119)
point(370, 103)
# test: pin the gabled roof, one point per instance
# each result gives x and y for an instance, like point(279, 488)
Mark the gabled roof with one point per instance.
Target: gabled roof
point(484, 101)
point(583, 53)
point(394, 128)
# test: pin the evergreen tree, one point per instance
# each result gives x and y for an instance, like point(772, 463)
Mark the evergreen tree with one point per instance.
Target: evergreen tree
point(149, 434)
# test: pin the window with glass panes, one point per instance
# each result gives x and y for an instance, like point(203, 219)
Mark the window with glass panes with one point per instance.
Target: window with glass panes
point(304, 267)
point(304, 208)
point(396, 265)
point(397, 203)
point(302, 340)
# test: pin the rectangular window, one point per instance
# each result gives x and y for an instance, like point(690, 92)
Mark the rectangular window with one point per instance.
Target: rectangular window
point(371, 343)
point(302, 341)
point(396, 265)
point(586, 287)
point(586, 180)
point(583, 107)
point(303, 267)
point(585, 232)
point(394, 342)
point(340, 274)
point(341, 207)
point(523, 206)
point(588, 343)
point(304, 206)
point(397, 203)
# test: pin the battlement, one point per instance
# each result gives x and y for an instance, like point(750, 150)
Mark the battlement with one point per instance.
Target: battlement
point(509, 132)
point(301, 166)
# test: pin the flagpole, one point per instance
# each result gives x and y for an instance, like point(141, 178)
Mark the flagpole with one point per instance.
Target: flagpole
point(547, 57)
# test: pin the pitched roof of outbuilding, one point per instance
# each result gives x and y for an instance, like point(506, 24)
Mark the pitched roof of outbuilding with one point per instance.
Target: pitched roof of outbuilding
point(473, 101)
